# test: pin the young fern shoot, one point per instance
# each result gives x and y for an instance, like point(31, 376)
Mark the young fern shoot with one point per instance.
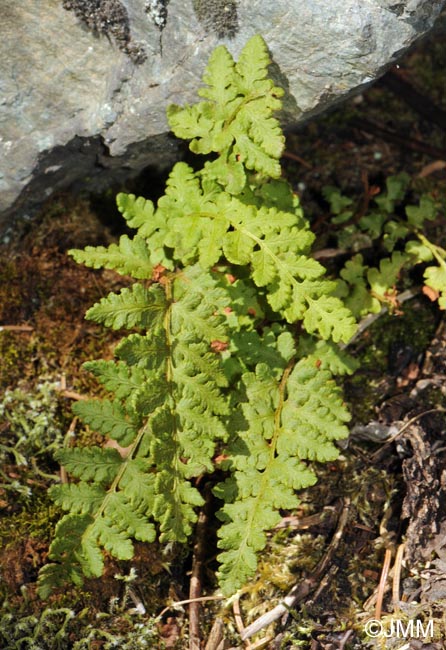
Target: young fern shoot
point(231, 351)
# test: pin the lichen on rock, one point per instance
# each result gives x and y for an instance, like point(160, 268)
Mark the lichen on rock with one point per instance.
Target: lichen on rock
point(157, 12)
point(109, 18)
point(217, 17)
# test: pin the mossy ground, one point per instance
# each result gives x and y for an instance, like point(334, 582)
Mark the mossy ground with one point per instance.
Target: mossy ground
point(43, 297)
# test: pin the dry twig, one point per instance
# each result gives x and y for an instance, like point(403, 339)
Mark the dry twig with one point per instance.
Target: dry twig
point(179, 603)
point(397, 578)
point(376, 456)
point(301, 591)
point(195, 581)
point(71, 394)
point(382, 583)
point(16, 328)
point(216, 637)
point(293, 156)
point(239, 621)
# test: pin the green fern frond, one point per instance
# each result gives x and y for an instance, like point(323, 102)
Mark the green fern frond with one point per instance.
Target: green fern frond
point(237, 119)
point(78, 498)
point(385, 278)
point(197, 309)
point(327, 356)
point(175, 507)
point(137, 482)
point(148, 352)
point(109, 418)
point(137, 211)
point(126, 518)
point(117, 377)
point(168, 411)
point(213, 371)
point(327, 316)
point(275, 244)
point(113, 538)
point(425, 210)
point(133, 307)
point(354, 289)
point(314, 414)
point(290, 421)
point(69, 561)
point(129, 257)
point(107, 514)
point(94, 464)
point(265, 477)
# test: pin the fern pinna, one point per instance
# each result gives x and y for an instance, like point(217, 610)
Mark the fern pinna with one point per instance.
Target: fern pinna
point(232, 348)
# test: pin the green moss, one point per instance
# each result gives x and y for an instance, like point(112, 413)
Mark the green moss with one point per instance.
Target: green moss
point(73, 618)
point(369, 386)
point(14, 350)
point(57, 627)
point(38, 520)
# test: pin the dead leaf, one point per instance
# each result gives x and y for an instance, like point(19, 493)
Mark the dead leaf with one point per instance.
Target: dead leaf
point(432, 294)
point(219, 346)
point(157, 272)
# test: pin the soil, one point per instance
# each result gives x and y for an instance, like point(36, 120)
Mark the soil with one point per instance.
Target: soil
point(381, 504)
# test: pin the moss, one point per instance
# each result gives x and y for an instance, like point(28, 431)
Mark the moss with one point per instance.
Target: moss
point(23, 555)
point(14, 350)
point(38, 518)
point(42, 288)
point(31, 430)
point(57, 628)
point(373, 382)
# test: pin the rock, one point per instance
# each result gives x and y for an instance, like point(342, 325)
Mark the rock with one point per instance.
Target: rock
point(84, 84)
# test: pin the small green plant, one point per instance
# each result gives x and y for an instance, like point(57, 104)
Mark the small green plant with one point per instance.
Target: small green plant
point(404, 244)
point(233, 345)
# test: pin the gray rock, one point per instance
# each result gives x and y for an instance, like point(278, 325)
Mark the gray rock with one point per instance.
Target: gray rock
point(84, 84)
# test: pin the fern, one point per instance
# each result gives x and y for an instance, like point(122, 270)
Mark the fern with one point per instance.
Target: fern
point(233, 344)
point(266, 457)
point(130, 256)
point(237, 118)
point(365, 289)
